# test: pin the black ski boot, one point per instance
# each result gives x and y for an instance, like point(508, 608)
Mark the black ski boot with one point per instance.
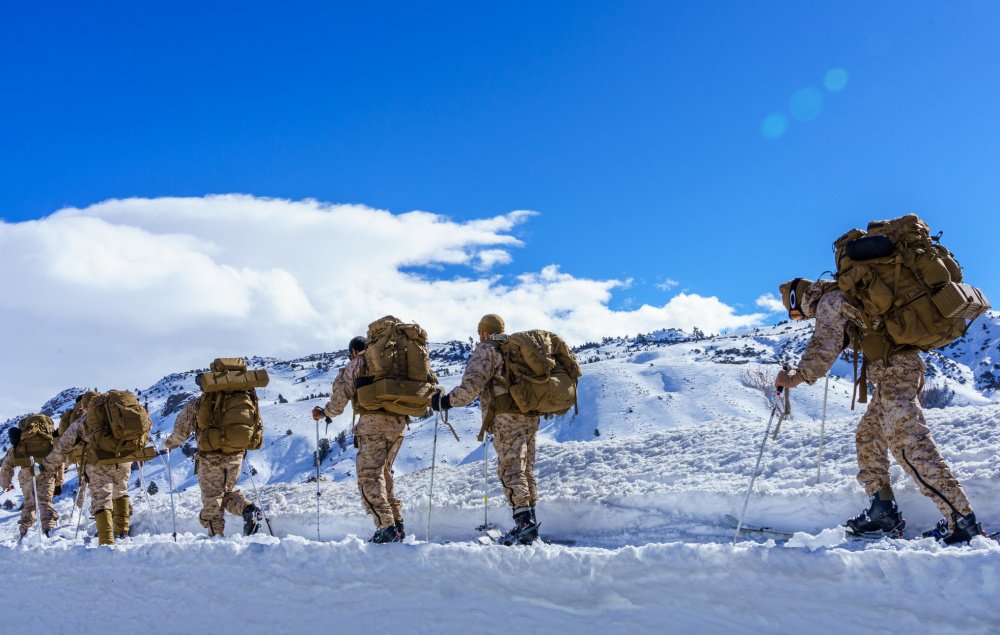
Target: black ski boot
point(400, 532)
point(251, 519)
point(966, 528)
point(525, 530)
point(881, 516)
point(385, 534)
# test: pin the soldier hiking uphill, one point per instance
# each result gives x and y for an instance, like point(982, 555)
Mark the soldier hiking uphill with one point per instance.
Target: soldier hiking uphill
point(225, 421)
point(897, 291)
point(378, 433)
point(31, 441)
point(517, 378)
point(114, 430)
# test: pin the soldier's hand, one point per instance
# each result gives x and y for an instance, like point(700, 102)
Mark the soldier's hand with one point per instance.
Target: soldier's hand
point(318, 413)
point(9, 487)
point(440, 401)
point(786, 379)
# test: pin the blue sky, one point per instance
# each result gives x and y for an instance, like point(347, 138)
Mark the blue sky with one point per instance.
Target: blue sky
point(635, 129)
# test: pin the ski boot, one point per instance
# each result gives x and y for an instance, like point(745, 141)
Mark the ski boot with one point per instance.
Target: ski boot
point(384, 535)
point(525, 530)
point(882, 515)
point(965, 529)
point(400, 532)
point(251, 519)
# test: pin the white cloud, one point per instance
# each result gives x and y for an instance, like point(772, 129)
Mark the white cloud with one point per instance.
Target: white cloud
point(122, 292)
point(667, 284)
point(771, 303)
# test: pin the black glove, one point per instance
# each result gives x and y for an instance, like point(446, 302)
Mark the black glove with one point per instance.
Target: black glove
point(440, 402)
point(57, 490)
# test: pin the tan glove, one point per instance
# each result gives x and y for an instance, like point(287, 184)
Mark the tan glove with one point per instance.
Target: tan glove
point(788, 379)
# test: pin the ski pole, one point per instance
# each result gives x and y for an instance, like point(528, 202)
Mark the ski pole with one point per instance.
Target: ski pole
point(145, 494)
point(317, 478)
point(822, 430)
point(486, 484)
point(753, 476)
point(256, 493)
point(34, 487)
point(170, 483)
point(430, 495)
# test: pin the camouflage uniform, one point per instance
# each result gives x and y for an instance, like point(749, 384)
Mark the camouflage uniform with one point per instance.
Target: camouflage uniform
point(894, 421)
point(513, 433)
point(45, 486)
point(217, 472)
point(378, 436)
point(108, 483)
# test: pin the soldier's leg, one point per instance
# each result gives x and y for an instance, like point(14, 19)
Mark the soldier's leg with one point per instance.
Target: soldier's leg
point(120, 504)
point(212, 482)
point(102, 490)
point(872, 449)
point(46, 485)
point(233, 501)
point(529, 469)
point(510, 438)
point(394, 503)
point(369, 464)
point(28, 494)
point(912, 445)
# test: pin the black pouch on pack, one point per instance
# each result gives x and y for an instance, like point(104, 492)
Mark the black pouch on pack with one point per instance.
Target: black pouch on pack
point(15, 435)
point(869, 248)
point(363, 381)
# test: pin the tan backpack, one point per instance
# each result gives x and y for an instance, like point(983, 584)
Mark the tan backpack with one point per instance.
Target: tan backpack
point(400, 378)
point(229, 411)
point(36, 441)
point(117, 429)
point(908, 285)
point(541, 372)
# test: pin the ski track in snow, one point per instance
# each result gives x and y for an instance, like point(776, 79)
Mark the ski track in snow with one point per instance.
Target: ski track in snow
point(645, 501)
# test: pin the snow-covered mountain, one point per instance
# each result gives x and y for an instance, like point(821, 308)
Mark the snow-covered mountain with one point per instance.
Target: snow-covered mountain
point(642, 478)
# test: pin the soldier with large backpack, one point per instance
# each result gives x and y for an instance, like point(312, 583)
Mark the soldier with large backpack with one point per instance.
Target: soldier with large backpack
point(897, 291)
point(226, 422)
point(31, 441)
point(114, 431)
point(388, 379)
point(517, 378)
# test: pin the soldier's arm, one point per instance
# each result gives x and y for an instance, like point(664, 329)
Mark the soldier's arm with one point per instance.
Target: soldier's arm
point(7, 470)
point(343, 389)
point(479, 370)
point(183, 425)
point(57, 457)
point(827, 341)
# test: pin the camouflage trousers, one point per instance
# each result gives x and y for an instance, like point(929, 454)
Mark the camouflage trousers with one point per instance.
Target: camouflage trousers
point(895, 423)
point(107, 483)
point(379, 438)
point(217, 476)
point(514, 440)
point(45, 484)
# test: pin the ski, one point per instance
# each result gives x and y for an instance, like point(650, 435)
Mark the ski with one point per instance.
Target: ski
point(778, 534)
point(497, 537)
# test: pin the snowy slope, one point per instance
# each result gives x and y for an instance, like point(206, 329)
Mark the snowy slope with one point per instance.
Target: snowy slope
point(645, 499)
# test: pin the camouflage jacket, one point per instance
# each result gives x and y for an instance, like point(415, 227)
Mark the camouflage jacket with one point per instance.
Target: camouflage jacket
point(56, 460)
point(483, 377)
point(7, 470)
point(343, 390)
point(839, 324)
point(184, 425)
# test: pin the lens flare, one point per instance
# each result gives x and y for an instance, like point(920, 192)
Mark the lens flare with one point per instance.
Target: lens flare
point(774, 126)
point(835, 80)
point(806, 104)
